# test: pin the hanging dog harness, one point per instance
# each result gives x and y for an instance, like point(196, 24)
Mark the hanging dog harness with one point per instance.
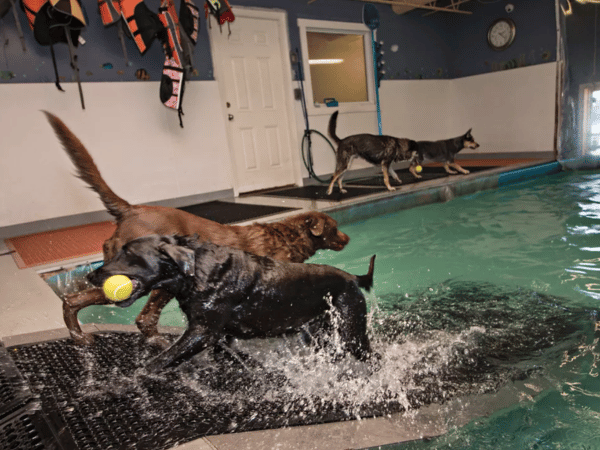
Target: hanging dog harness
point(54, 21)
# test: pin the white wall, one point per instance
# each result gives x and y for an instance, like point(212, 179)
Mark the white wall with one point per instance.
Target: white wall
point(510, 111)
point(145, 156)
point(136, 142)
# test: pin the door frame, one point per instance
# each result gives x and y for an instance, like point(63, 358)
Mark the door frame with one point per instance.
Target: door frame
point(281, 17)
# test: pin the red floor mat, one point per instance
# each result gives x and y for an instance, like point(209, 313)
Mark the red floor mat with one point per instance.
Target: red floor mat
point(59, 245)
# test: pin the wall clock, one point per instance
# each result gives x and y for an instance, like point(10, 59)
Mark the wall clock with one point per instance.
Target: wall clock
point(501, 34)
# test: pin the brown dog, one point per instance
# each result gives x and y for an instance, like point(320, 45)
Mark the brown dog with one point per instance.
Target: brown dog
point(293, 239)
point(378, 150)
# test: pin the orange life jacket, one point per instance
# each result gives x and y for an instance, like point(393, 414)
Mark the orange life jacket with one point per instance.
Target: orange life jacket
point(54, 21)
point(143, 24)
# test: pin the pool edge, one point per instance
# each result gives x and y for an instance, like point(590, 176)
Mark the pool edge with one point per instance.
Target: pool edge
point(438, 191)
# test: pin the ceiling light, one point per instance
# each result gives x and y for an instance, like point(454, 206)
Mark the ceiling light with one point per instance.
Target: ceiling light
point(325, 61)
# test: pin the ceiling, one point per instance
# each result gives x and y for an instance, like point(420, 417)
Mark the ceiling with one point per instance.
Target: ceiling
point(431, 6)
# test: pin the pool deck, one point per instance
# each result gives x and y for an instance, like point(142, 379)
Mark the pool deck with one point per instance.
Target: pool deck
point(31, 312)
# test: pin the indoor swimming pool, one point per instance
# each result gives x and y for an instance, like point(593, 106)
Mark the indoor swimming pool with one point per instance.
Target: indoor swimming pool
point(496, 291)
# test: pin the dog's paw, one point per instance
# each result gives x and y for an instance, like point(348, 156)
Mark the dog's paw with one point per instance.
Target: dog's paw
point(391, 188)
point(155, 365)
point(82, 338)
point(465, 171)
point(343, 191)
point(158, 341)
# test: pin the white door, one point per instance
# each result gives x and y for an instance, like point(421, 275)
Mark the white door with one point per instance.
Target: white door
point(254, 82)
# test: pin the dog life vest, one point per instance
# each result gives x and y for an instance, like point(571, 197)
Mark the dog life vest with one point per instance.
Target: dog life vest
point(178, 58)
point(54, 21)
point(220, 9)
point(143, 24)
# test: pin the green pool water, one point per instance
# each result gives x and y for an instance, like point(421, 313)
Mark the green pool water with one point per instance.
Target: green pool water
point(539, 238)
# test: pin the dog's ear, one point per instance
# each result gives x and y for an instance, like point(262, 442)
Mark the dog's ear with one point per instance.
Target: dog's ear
point(184, 257)
point(316, 225)
point(468, 132)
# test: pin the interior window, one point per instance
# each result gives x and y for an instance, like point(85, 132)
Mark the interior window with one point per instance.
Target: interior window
point(337, 66)
point(337, 58)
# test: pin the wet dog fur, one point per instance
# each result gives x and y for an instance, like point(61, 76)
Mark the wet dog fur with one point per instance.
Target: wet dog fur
point(443, 151)
point(377, 150)
point(293, 239)
point(227, 293)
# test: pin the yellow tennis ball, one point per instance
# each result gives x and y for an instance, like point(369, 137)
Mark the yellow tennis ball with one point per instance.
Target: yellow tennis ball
point(418, 169)
point(118, 288)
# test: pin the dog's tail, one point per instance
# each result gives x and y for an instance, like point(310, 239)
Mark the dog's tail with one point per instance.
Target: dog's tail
point(332, 126)
point(366, 281)
point(86, 168)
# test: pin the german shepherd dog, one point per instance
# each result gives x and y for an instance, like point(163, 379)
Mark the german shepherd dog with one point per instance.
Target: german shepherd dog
point(443, 151)
point(378, 150)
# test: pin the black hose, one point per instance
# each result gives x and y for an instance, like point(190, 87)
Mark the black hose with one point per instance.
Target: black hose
point(307, 154)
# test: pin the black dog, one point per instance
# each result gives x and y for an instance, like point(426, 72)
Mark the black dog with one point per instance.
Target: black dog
point(443, 151)
point(228, 293)
point(382, 150)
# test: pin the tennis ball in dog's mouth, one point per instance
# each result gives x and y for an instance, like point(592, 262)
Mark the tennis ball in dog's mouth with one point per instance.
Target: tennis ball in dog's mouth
point(118, 288)
point(418, 169)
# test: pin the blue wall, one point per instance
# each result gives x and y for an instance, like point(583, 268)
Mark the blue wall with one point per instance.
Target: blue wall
point(100, 59)
point(440, 45)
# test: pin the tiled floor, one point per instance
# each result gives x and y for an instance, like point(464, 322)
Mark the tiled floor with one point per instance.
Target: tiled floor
point(30, 311)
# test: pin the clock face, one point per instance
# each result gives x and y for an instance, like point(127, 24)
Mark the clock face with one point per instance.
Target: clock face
point(501, 34)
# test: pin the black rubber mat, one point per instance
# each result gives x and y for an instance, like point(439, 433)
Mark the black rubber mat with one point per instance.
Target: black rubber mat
point(102, 398)
point(364, 186)
point(23, 424)
point(320, 192)
point(228, 212)
point(108, 401)
point(428, 173)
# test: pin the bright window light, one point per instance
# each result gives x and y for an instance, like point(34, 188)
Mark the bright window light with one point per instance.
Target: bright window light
point(325, 61)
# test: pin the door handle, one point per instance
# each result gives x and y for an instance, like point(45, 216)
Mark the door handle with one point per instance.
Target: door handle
point(230, 117)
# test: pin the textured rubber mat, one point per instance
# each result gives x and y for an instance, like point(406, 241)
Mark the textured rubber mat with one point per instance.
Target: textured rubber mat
point(108, 401)
point(434, 346)
point(320, 192)
point(23, 424)
point(428, 173)
point(59, 245)
point(228, 212)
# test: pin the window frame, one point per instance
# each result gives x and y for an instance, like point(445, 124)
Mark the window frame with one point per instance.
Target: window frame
point(326, 26)
point(585, 95)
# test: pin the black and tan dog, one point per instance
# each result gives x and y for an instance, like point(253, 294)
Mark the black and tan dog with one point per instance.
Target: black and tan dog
point(228, 293)
point(378, 150)
point(444, 152)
